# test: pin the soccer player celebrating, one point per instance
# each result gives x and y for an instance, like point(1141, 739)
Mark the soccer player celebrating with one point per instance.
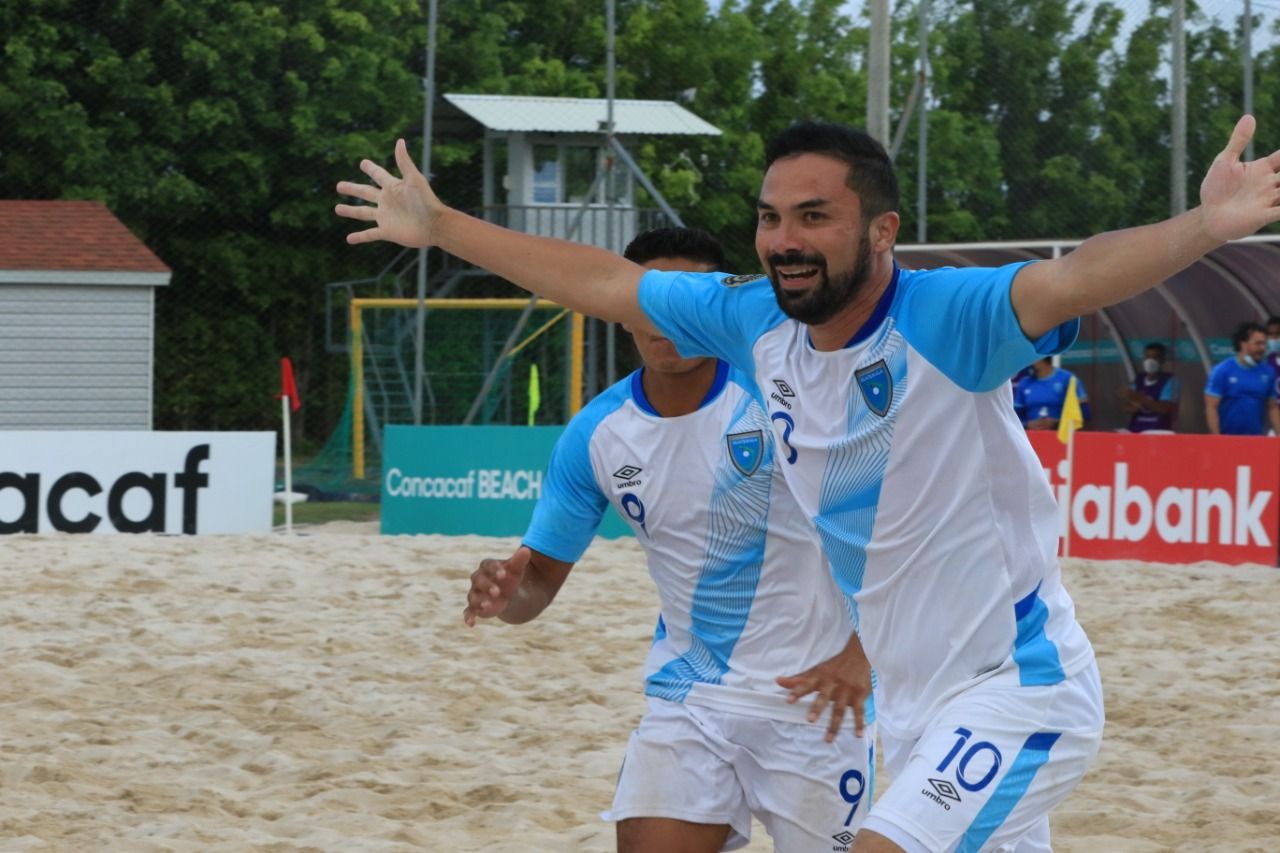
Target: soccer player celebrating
point(682, 449)
point(887, 392)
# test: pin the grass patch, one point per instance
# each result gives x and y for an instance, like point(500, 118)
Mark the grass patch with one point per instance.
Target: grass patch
point(318, 512)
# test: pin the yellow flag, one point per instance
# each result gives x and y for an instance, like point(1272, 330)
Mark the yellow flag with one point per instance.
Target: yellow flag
point(1072, 418)
point(535, 392)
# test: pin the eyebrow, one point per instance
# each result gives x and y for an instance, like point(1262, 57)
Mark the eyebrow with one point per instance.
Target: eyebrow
point(809, 204)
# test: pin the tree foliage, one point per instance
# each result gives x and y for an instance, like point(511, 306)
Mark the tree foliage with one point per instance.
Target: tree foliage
point(216, 129)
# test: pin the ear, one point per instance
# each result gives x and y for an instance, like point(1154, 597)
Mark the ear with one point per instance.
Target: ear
point(884, 231)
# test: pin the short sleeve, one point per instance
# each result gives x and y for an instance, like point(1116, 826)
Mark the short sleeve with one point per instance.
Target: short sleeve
point(961, 319)
point(1216, 387)
point(710, 314)
point(568, 514)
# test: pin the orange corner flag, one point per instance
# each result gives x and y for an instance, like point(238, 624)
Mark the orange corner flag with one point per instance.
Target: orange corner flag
point(288, 387)
point(1072, 418)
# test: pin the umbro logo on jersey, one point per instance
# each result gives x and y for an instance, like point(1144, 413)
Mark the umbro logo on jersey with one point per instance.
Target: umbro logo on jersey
point(627, 476)
point(942, 791)
point(844, 839)
point(783, 393)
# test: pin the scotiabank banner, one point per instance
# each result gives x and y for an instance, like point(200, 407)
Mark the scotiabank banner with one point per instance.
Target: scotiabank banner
point(136, 482)
point(1168, 498)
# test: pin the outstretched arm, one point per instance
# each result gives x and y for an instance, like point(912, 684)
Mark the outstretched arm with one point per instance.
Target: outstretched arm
point(406, 211)
point(1236, 199)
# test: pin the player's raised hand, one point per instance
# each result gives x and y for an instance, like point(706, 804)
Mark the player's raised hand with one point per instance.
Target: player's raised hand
point(1238, 198)
point(843, 681)
point(494, 584)
point(404, 210)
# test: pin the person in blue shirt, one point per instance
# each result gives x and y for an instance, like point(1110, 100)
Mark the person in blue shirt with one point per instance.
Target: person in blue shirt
point(887, 394)
point(1038, 398)
point(1240, 398)
point(1152, 397)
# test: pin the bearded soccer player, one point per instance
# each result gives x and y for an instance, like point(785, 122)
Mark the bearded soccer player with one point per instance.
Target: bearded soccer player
point(887, 390)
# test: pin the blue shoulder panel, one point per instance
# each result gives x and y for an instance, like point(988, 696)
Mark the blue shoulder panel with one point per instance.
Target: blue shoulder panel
point(962, 321)
point(569, 512)
point(704, 316)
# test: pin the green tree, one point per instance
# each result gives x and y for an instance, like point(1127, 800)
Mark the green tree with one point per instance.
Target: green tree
point(216, 131)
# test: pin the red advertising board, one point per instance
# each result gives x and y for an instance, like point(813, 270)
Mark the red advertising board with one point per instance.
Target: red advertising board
point(1168, 498)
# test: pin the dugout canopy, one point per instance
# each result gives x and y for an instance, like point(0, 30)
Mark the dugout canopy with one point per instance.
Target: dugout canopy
point(1193, 314)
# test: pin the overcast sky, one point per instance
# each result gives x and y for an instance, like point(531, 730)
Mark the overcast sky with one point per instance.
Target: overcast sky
point(1226, 11)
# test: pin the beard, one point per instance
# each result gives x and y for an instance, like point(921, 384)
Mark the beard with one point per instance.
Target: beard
point(818, 305)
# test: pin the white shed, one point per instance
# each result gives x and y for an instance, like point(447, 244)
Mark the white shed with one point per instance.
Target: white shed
point(77, 311)
point(543, 156)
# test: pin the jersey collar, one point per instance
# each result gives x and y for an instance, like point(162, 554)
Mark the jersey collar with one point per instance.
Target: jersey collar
point(877, 315)
point(717, 385)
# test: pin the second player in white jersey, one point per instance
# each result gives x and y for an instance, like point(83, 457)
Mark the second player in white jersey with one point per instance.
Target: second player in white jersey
point(741, 576)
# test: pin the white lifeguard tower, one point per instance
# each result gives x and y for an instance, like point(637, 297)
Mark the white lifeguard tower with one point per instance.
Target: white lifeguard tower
point(546, 163)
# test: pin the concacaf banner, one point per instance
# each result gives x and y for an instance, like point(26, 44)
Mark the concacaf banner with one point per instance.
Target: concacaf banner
point(456, 480)
point(1167, 498)
point(136, 482)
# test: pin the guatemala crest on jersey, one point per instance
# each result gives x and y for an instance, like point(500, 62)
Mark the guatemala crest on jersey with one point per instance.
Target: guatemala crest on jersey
point(877, 386)
point(745, 450)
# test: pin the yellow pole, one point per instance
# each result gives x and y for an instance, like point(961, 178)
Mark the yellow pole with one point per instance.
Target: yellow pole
point(576, 329)
point(357, 396)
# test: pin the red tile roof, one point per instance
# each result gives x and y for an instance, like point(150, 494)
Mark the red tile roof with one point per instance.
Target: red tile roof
point(70, 235)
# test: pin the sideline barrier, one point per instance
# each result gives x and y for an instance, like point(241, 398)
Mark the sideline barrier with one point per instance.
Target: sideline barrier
point(77, 481)
point(1167, 498)
point(457, 480)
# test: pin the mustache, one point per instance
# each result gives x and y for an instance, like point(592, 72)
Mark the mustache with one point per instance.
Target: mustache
point(797, 259)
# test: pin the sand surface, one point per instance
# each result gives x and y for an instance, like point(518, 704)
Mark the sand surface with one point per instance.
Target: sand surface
point(320, 692)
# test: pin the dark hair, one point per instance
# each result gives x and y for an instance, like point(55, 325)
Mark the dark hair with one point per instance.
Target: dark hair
point(691, 243)
point(1242, 333)
point(871, 173)
point(1158, 347)
point(1273, 320)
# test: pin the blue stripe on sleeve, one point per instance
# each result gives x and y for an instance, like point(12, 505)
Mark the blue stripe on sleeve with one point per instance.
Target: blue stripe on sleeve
point(961, 319)
point(703, 317)
point(566, 517)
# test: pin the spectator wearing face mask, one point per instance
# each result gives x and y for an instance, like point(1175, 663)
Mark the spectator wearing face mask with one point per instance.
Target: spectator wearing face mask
point(1240, 398)
point(1152, 397)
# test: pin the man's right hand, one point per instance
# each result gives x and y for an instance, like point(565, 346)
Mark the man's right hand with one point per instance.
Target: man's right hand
point(405, 210)
point(494, 584)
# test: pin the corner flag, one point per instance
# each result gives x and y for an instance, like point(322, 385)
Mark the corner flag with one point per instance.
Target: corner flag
point(1072, 418)
point(288, 387)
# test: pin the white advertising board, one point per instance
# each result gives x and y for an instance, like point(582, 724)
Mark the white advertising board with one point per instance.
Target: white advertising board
point(136, 482)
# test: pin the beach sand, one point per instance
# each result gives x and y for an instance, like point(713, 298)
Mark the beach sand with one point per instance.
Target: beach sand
point(320, 692)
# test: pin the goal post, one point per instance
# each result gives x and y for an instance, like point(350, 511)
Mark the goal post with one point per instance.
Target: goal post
point(471, 347)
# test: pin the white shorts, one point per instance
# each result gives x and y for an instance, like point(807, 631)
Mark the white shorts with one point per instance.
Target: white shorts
point(702, 765)
point(990, 767)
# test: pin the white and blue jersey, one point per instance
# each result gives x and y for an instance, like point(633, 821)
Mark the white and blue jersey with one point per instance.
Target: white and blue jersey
point(904, 450)
point(746, 594)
